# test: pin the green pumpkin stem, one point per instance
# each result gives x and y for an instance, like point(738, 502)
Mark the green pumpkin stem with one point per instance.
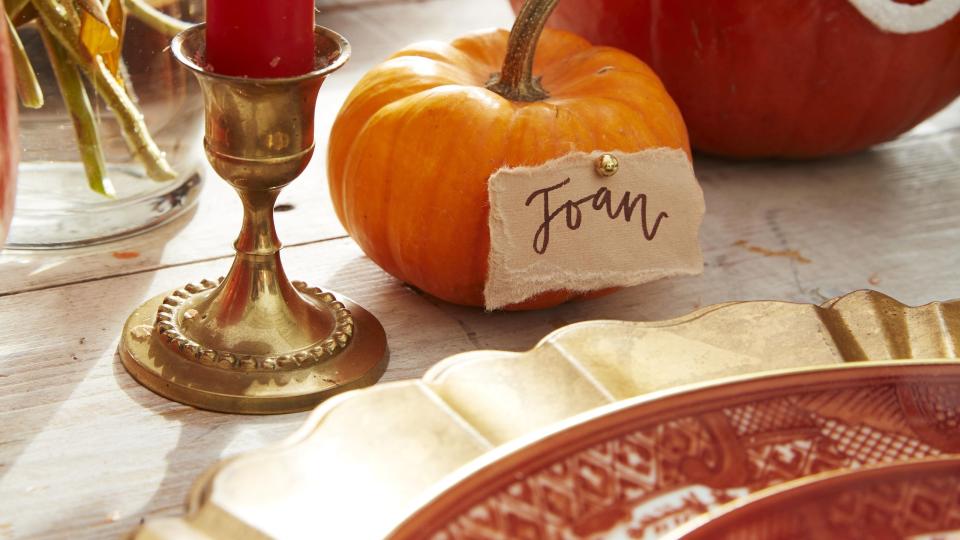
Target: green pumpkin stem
point(515, 80)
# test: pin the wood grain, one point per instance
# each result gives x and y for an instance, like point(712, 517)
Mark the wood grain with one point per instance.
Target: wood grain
point(87, 452)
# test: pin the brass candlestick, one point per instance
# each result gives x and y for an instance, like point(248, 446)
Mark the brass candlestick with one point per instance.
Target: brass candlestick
point(254, 342)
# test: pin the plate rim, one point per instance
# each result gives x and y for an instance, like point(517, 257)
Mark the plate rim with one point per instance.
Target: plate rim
point(844, 324)
point(495, 465)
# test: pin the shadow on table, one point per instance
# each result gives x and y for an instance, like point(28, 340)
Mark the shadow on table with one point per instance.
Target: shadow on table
point(69, 332)
point(203, 438)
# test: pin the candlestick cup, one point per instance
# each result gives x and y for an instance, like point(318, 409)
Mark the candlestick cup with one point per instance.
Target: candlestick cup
point(253, 342)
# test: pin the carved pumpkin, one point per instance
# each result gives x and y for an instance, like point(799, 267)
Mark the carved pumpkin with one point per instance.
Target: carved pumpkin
point(416, 141)
point(788, 78)
point(9, 147)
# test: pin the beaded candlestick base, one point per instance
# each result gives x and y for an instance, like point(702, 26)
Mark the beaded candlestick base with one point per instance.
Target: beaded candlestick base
point(253, 342)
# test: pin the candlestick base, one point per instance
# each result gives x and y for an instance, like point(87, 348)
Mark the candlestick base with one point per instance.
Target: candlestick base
point(155, 351)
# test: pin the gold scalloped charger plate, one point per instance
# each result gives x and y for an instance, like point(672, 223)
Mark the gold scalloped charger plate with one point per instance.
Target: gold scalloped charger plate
point(365, 460)
point(640, 468)
point(917, 500)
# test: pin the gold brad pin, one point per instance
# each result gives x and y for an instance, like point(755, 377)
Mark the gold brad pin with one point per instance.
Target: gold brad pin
point(607, 165)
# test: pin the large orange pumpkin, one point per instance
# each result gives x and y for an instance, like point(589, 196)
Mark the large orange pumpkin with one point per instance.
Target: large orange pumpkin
point(416, 141)
point(9, 148)
point(784, 78)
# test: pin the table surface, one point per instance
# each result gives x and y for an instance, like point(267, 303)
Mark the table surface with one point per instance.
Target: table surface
point(87, 452)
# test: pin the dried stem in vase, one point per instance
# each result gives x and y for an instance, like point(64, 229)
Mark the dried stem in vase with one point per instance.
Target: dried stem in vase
point(86, 37)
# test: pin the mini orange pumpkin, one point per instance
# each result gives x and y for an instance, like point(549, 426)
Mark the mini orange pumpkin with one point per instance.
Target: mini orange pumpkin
point(416, 141)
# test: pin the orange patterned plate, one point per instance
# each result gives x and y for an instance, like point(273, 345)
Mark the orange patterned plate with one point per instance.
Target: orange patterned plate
point(364, 461)
point(917, 500)
point(642, 467)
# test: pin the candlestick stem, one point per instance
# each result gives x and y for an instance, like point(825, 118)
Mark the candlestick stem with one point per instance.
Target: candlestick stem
point(258, 234)
point(256, 310)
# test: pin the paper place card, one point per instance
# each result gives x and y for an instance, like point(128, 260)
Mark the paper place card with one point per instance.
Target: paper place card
point(565, 226)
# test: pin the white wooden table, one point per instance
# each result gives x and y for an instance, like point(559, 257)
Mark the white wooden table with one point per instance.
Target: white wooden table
point(87, 452)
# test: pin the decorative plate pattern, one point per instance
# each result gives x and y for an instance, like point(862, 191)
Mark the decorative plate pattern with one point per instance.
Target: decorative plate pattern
point(365, 460)
point(642, 467)
point(920, 500)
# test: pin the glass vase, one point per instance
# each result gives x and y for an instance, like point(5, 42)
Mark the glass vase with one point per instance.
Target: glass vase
point(55, 208)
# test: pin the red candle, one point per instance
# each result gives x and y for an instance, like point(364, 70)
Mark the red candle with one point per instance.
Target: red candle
point(260, 38)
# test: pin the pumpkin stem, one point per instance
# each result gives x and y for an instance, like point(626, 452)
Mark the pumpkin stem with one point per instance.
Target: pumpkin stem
point(515, 80)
